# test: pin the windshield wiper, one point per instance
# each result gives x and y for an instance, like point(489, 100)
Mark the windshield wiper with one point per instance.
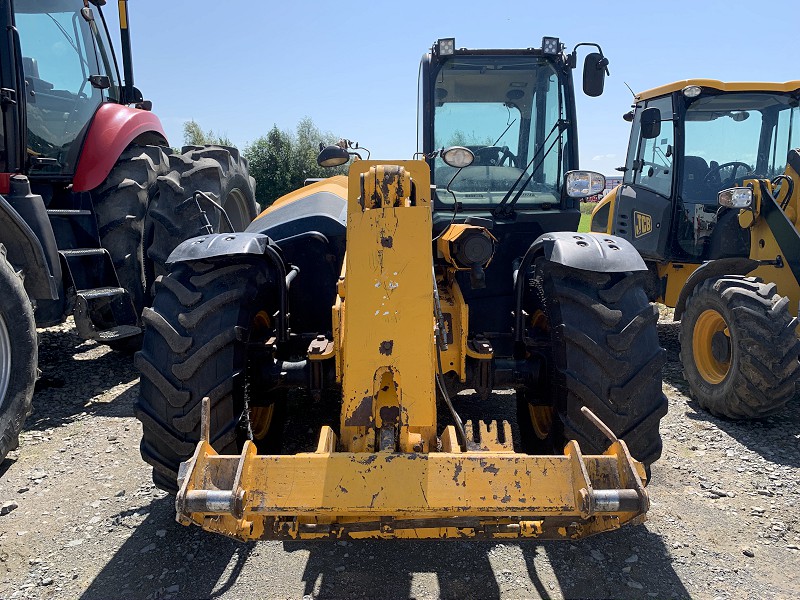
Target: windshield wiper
point(505, 210)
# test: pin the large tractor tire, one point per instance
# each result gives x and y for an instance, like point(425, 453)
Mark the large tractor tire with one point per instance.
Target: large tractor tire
point(599, 335)
point(196, 345)
point(739, 348)
point(120, 205)
point(174, 216)
point(18, 355)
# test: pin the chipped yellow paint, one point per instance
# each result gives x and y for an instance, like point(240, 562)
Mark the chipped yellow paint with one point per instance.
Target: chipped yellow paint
point(388, 299)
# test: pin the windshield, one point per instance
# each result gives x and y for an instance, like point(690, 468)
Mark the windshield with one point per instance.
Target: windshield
point(734, 136)
point(503, 109)
point(60, 51)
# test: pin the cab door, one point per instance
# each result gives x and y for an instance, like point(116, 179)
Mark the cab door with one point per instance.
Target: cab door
point(644, 201)
point(11, 99)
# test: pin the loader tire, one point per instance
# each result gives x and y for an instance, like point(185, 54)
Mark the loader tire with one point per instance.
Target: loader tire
point(18, 355)
point(120, 205)
point(739, 348)
point(196, 345)
point(604, 354)
point(174, 216)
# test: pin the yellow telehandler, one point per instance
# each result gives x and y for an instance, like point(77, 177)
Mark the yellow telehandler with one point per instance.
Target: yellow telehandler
point(710, 198)
point(408, 281)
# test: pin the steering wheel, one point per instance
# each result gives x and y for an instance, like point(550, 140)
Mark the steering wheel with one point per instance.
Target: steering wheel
point(713, 180)
point(495, 156)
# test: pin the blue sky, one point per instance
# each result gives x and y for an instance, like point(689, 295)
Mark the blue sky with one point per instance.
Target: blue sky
point(239, 67)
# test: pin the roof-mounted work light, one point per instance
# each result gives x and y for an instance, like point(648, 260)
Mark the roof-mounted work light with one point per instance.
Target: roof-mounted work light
point(551, 45)
point(446, 46)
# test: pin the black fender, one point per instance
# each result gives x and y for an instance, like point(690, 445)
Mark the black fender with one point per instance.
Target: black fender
point(597, 252)
point(709, 270)
point(24, 251)
point(232, 245)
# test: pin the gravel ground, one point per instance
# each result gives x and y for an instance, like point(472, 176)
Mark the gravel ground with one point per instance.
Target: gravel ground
point(82, 520)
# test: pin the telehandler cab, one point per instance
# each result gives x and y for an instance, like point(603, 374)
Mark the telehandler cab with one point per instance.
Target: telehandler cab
point(410, 280)
point(710, 198)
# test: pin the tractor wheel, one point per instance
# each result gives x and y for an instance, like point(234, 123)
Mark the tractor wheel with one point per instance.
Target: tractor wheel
point(120, 205)
point(196, 344)
point(175, 216)
point(739, 348)
point(18, 355)
point(597, 334)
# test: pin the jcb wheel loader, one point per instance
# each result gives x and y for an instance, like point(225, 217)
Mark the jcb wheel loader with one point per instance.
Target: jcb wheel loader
point(408, 281)
point(709, 199)
point(91, 200)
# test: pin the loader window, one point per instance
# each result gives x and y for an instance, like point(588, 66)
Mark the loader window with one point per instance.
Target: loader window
point(728, 138)
point(785, 136)
point(502, 108)
point(654, 168)
point(59, 55)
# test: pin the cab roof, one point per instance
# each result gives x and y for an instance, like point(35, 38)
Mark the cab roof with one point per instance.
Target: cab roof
point(733, 86)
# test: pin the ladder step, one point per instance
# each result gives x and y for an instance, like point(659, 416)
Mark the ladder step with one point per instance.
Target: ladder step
point(83, 252)
point(68, 212)
point(117, 333)
point(103, 292)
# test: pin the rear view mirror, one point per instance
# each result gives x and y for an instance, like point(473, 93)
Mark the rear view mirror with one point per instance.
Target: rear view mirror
point(650, 123)
point(594, 74)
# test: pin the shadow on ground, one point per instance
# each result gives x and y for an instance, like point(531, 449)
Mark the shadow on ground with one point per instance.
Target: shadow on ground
point(464, 569)
point(64, 390)
point(202, 565)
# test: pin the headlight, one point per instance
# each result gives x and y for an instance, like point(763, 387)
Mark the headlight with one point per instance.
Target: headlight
point(458, 156)
point(738, 197)
point(581, 184)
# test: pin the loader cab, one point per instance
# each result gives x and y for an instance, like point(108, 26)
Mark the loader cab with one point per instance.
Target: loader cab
point(689, 141)
point(58, 67)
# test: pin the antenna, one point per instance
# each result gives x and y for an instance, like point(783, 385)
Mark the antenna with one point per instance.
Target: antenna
point(629, 89)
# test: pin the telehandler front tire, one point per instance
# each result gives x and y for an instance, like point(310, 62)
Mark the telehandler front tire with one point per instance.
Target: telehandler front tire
point(604, 354)
point(195, 345)
point(739, 348)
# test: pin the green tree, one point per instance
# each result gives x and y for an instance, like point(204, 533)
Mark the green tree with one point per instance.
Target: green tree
point(282, 160)
point(193, 135)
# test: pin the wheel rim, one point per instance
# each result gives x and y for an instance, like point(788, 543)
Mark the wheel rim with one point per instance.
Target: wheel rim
point(5, 360)
point(708, 340)
point(541, 416)
point(261, 420)
point(235, 206)
point(541, 420)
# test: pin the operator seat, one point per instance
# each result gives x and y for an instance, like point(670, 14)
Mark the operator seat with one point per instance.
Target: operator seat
point(695, 168)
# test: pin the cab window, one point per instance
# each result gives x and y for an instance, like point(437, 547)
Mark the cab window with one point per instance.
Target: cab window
point(653, 168)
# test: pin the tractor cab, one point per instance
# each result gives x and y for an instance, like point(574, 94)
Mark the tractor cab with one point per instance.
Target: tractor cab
point(689, 141)
point(58, 68)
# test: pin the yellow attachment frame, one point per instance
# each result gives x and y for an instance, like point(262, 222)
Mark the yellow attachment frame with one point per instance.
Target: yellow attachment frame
point(477, 494)
point(388, 474)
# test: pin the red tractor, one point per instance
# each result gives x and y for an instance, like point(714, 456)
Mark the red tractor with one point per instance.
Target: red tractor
point(92, 200)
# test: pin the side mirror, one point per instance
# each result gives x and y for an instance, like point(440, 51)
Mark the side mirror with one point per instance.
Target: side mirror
point(594, 74)
point(650, 123)
point(582, 184)
point(332, 156)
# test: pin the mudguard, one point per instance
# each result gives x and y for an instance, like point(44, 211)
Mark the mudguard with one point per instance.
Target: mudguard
point(231, 245)
point(597, 252)
point(24, 251)
point(588, 251)
point(113, 128)
point(219, 244)
point(708, 270)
